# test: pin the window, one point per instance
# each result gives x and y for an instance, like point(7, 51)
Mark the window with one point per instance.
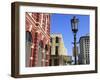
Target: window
point(46, 47)
point(57, 40)
point(28, 48)
point(28, 37)
point(56, 51)
point(51, 40)
point(56, 62)
point(40, 49)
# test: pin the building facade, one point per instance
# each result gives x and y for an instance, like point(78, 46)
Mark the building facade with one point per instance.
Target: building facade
point(57, 50)
point(84, 56)
point(37, 39)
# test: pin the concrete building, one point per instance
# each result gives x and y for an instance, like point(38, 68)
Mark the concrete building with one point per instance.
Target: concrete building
point(37, 39)
point(57, 50)
point(84, 56)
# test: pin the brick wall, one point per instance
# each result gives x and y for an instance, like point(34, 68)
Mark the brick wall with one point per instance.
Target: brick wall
point(38, 24)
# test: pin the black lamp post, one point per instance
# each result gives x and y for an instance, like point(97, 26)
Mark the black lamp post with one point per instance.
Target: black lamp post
point(74, 26)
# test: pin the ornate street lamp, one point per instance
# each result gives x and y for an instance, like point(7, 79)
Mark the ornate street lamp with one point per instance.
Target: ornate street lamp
point(74, 26)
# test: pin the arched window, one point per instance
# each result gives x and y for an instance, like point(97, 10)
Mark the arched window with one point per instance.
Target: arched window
point(28, 48)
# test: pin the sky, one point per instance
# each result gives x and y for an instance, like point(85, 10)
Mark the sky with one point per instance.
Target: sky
point(60, 23)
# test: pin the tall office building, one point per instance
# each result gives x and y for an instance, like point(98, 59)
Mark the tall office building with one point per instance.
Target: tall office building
point(84, 56)
point(57, 50)
point(37, 39)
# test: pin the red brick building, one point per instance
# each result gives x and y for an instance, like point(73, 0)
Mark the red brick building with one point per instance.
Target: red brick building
point(37, 39)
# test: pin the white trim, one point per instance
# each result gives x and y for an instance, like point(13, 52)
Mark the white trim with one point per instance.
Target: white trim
point(53, 69)
point(41, 20)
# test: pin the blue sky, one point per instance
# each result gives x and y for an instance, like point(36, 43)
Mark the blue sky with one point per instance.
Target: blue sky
point(60, 23)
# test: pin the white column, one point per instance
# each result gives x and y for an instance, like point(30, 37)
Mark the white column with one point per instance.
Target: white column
point(41, 19)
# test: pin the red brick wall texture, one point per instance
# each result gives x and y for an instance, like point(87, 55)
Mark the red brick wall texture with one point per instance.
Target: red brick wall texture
point(38, 25)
